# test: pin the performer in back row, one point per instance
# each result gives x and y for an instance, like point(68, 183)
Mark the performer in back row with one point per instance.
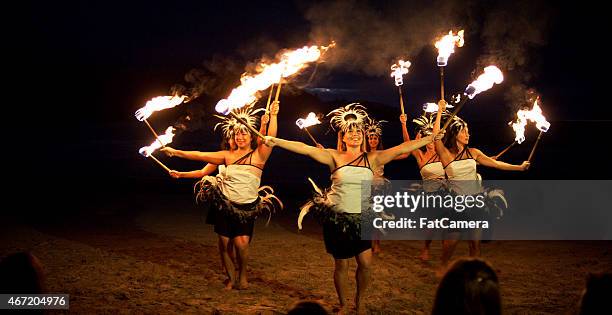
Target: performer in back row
point(460, 163)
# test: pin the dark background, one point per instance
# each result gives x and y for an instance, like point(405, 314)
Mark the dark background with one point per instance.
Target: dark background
point(89, 66)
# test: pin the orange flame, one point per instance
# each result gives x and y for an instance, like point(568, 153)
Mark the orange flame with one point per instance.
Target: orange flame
point(310, 120)
point(398, 70)
point(165, 139)
point(523, 116)
point(289, 64)
point(158, 103)
point(446, 46)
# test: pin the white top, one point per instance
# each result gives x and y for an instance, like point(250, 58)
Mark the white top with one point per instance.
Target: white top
point(348, 190)
point(240, 182)
point(462, 175)
point(434, 177)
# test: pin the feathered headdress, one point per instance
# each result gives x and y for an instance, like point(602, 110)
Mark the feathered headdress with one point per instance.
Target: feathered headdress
point(426, 122)
point(456, 123)
point(374, 127)
point(348, 117)
point(230, 124)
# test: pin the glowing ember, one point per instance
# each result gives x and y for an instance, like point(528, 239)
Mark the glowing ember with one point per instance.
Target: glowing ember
point(523, 116)
point(290, 62)
point(492, 75)
point(165, 139)
point(433, 107)
point(446, 46)
point(310, 120)
point(157, 104)
point(398, 70)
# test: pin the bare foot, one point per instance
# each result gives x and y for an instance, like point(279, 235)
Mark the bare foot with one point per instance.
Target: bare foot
point(376, 247)
point(361, 309)
point(243, 285)
point(229, 284)
point(360, 306)
point(341, 310)
point(424, 255)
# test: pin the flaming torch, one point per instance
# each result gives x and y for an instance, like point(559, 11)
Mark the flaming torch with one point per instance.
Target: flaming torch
point(535, 115)
point(304, 123)
point(433, 107)
point(156, 104)
point(397, 71)
point(523, 117)
point(291, 62)
point(446, 46)
point(161, 142)
point(492, 75)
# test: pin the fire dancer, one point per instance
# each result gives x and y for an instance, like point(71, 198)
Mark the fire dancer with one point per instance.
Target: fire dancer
point(236, 194)
point(379, 184)
point(430, 167)
point(210, 168)
point(460, 163)
point(339, 208)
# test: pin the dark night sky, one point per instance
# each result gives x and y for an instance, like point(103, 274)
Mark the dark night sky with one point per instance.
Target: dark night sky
point(111, 56)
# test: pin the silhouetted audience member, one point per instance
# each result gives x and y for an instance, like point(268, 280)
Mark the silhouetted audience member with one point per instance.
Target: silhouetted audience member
point(307, 308)
point(596, 295)
point(21, 273)
point(470, 286)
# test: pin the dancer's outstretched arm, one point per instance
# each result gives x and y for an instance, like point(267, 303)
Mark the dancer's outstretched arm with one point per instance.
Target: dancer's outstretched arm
point(210, 157)
point(383, 157)
point(490, 162)
point(206, 170)
point(323, 156)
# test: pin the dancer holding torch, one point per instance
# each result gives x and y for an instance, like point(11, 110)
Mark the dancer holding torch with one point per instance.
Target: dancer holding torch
point(430, 167)
point(236, 194)
point(460, 163)
point(339, 208)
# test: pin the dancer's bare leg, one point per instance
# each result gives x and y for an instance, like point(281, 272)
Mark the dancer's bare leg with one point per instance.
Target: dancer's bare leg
point(227, 261)
point(231, 250)
point(376, 246)
point(425, 252)
point(448, 248)
point(474, 243)
point(341, 282)
point(362, 275)
point(242, 248)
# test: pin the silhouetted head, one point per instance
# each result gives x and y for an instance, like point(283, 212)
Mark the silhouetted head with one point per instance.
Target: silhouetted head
point(596, 295)
point(470, 286)
point(307, 308)
point(21, 273)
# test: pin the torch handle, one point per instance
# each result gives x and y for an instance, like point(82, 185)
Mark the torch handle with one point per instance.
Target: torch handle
point(278, 89)
point(154, 133)
point(504, 150)
point(534, 146)
point(401, 99)
point(454, 113)
point(247, 125)
point(441, 83)
point(160, 163)
point(269, 97)
point(310, 135)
